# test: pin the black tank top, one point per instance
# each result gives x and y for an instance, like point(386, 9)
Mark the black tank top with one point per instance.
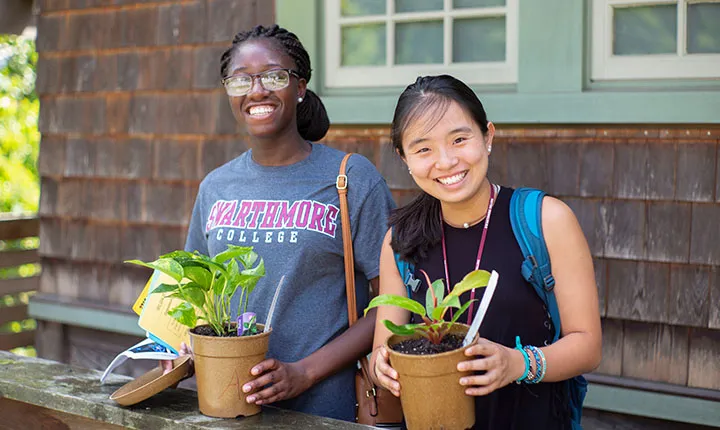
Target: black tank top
point(515, 310)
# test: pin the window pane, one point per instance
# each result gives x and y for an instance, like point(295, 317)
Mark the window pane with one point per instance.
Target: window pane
point(479, 39)
point(417, 5)
point(419, 42)
point(464, 4)
point(645, 30)
point(362, 7)
point(363, 45)
point(703, 28)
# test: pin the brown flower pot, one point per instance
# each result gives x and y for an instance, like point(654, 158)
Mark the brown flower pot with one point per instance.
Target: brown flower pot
point(430, 391)
point(222, 367)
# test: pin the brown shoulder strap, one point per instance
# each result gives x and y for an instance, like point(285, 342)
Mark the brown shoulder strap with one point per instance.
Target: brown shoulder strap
point(342, 184)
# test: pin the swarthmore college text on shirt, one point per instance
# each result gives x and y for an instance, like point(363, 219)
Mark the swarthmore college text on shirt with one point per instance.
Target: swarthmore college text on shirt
point(233, 220)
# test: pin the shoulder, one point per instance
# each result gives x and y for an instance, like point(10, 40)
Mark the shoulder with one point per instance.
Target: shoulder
point(556, 212)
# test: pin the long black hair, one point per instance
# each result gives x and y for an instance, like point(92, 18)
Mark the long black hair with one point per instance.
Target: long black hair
point(416, 226)
point(312, 118)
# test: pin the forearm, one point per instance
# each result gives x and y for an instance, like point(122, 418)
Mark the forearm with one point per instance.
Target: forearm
point(341, 351)
point(574, 354)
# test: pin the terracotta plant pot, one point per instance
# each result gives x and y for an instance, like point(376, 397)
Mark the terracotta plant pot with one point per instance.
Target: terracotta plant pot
point(222, 366)
point(430, 391)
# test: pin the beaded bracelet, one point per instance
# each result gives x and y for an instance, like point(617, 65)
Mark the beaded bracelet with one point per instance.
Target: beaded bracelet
point(540, 364)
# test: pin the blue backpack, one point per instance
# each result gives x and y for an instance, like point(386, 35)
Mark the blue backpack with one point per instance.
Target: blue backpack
point(526, 221)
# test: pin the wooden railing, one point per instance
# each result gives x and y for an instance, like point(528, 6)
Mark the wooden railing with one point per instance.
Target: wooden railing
point(12, 229)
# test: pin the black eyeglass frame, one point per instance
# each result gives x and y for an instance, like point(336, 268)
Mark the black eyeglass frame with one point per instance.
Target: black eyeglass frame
point(290, 72)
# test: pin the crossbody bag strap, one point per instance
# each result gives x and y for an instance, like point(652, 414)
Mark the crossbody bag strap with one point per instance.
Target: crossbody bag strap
point(342, 186)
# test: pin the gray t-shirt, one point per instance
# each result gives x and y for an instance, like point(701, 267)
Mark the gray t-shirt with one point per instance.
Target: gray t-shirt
point(290, 215)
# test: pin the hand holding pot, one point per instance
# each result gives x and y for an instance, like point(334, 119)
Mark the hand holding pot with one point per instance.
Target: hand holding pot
point(285, 380)
point(502, 365)
point(386, 376)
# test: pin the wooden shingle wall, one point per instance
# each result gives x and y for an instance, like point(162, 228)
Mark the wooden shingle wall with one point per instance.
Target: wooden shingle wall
point(648, 200)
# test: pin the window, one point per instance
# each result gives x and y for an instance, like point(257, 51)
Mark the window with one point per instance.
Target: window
point(655, 39)
point(376, 43)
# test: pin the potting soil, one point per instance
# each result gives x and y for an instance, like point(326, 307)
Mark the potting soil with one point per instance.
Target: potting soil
point(422, 346)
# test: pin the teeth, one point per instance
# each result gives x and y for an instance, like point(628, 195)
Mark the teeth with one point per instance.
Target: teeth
point(261, 110)
point(450, 180)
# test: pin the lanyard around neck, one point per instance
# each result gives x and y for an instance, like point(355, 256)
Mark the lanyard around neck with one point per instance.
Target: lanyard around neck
point(491, 202)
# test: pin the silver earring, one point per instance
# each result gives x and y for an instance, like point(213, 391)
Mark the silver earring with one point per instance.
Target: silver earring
point(410, 171)
point(489, 149)
point(300, 99)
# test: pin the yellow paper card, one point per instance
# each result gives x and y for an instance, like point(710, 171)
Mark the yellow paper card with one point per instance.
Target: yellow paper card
point(140, 302)
point(154, 316)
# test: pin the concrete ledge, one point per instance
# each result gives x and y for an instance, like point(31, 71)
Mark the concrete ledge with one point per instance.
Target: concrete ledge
point(78, 392)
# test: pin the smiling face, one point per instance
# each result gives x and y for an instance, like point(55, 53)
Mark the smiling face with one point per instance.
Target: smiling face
point(266, 114)
point(448, 160)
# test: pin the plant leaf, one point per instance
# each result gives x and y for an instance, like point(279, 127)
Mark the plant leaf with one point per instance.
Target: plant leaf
point(400, 330)
point(194, 294)
point(249, 278)
point(474, 279)
point(437, 287)
point(184, 313)
point(462, 310)
point(166, 265)
point(200, 276)
point(232, 252)
point(450, 302)
point(164, 288)
point(399, 301)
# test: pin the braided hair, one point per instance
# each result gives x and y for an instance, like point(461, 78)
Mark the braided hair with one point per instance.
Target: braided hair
point(312, 118)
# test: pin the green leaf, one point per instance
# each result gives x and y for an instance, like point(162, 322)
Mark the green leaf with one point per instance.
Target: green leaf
point(166, 265)
point(450, 302)
point(437, 287)
point(164, 288)
point(462, 310)
point(184, 313)
point(400, 330)
point(399, 301)
point(228, 283)
point(474, 279)
point(249, 259)
point(194, 294)
point(232, 252)
point(249, 278)
point(200, 275)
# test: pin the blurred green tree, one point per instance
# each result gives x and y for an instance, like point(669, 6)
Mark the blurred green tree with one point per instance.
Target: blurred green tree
point(19, 135)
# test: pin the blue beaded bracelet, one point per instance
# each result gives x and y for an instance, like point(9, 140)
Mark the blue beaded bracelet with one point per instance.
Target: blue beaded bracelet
point(539, 374)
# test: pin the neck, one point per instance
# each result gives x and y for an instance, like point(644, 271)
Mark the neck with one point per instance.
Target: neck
point(468, 212)
point(283, 150)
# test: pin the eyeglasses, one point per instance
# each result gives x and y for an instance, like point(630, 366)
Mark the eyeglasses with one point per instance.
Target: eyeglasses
point(240, 84)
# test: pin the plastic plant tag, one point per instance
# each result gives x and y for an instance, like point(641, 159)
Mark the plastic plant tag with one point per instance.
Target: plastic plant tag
point(246, 324)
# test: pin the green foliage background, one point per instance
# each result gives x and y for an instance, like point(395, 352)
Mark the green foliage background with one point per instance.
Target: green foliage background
point(19, 136)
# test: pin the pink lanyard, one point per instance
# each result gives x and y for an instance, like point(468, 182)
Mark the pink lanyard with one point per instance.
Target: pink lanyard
point(479, 254)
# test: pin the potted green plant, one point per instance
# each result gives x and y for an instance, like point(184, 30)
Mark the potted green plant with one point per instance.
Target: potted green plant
point(224, 350)
point(425, 355)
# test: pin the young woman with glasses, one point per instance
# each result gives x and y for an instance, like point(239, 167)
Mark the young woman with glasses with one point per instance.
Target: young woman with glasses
point(280, 197)
point(461, 222)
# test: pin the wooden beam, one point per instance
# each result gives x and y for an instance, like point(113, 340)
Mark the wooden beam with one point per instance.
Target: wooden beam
point(9, 341)
point(17, 258)
point(14, 313)
point(19, 285)
point(19, 228)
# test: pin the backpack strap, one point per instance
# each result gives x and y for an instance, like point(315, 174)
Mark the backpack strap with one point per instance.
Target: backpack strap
point(526, 221)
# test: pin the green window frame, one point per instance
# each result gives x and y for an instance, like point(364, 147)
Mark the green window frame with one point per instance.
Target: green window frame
point(553, 80)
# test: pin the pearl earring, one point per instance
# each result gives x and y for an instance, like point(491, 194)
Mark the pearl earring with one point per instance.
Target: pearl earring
point(410, 171)
point(489, 149)
point(300, 99)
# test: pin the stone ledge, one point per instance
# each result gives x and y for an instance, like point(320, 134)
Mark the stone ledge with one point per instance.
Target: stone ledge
point(78, 391)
